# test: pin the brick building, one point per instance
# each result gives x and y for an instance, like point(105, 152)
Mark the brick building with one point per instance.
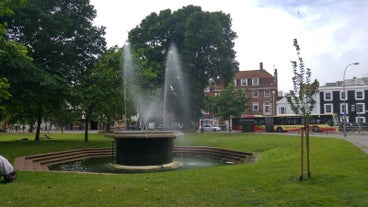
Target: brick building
point(261, 89)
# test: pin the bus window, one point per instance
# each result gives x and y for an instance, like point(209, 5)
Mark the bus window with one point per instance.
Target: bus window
point(279, 120)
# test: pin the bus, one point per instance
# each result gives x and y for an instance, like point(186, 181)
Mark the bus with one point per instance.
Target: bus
point(317, 123)
point(288, 123)
point(258, 120)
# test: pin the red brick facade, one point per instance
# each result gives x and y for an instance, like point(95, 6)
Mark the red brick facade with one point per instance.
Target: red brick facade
point(261, 89)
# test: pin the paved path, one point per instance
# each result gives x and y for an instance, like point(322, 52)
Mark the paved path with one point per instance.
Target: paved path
point(358, 139)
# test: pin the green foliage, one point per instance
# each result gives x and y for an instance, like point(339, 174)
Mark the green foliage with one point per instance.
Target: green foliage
point(204, 40)
point(4, 93)
point(100, 92)
point(340, 176)
point(11, 53)
point(301, 99)
point(63, 44)
point(230, 102)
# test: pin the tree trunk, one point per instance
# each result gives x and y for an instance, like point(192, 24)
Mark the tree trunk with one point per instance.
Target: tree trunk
point(86, 129)
point(302, 155)
point(107, 125)
point(39, 120)
point(307, 145)
point(229, 124)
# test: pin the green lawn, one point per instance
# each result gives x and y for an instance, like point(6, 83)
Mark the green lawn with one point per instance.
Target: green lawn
point(339, 175)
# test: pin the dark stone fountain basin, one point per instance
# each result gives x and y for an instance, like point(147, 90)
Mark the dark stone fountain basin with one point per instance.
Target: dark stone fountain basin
point(140, 149)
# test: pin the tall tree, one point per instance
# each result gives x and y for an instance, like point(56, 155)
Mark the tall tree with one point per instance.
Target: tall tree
point(63, 43)
point(301, 100)
point(204, 40)
point(101, 90)
point(230, 102)
point(13, 57)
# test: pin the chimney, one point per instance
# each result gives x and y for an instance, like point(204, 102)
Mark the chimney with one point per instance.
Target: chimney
point(260, 66)
point(275, 76)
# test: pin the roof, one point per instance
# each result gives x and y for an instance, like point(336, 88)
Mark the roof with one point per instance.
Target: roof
point(253, 73)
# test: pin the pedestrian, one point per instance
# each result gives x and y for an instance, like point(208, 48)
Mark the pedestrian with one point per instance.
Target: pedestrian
point(7, 170)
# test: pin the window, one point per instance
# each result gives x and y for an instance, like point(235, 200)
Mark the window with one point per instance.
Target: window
point(235, 82)
point(267, 107)
point(343, 108)
point(255, 106)
point(360, 108)
point(328, 108)
point(282, 110)
point(267, 93)
point(343, 95)
point(255, 93)
point(360, 120)
point(255, 81)
point(244, 82)
point(359, 95)
point(328, 96)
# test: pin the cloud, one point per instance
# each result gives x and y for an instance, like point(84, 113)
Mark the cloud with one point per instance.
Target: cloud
point(331, 33)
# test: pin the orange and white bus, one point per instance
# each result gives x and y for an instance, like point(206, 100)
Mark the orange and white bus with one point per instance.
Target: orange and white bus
point(317, 123)
point(288, 123)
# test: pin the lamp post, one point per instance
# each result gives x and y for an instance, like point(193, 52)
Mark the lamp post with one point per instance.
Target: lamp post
point(273, 104)
point(346, 95)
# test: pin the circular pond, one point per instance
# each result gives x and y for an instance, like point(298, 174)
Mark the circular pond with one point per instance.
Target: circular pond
point(103, 164)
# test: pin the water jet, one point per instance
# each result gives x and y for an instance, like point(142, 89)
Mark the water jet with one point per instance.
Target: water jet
point(145, 149)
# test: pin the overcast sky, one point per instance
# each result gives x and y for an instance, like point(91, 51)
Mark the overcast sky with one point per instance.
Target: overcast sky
point(331, 33)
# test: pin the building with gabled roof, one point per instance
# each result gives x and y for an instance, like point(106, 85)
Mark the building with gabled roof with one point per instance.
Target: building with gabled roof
point(262, 90)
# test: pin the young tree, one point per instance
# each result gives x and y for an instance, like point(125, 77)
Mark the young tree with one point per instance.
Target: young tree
point(230, 102)
point(301, 100)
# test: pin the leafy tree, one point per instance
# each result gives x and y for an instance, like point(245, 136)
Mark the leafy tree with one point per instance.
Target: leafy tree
point(4, 93)
point(63, 44)
point(230, 102)
point(13, 56)
point(302, 100)
point(100, 91)
point(204, 40)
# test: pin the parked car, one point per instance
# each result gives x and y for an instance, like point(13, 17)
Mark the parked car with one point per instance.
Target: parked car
point(210, 128)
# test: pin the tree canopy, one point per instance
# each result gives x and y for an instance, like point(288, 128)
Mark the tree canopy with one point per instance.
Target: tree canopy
point(230, 102)
point(63, 44)
point(204, 40)
point(100, 93)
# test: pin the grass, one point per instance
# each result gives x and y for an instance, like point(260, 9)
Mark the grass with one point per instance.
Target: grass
point(339, 175)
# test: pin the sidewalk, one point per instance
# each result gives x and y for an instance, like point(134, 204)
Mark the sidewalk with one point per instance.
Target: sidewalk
point(358, 139)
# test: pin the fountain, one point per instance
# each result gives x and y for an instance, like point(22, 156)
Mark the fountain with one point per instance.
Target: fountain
point(146, 149)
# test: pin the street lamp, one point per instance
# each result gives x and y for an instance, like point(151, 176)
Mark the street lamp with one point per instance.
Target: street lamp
point(346, 95)
point(273, 103)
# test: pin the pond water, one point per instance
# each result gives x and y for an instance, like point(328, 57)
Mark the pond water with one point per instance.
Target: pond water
point(102, 164)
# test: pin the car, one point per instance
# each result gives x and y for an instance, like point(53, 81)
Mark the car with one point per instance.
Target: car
point(210, 128)
point(151, 125)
